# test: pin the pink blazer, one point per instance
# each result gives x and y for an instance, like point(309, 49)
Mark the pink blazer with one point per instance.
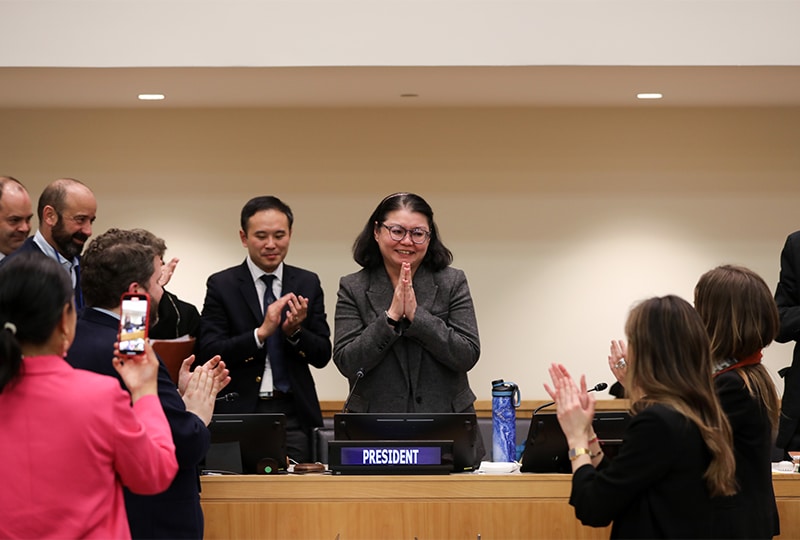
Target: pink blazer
point(69, 441)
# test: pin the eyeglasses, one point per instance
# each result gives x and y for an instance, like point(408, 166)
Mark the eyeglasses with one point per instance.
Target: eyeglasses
point(398, 233)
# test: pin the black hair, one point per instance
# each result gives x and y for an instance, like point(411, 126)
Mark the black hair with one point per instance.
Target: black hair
point(265, 202)
point(366, 251)
point(33, 292)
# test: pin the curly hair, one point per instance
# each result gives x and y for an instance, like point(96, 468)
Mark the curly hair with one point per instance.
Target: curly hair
point(113, 261)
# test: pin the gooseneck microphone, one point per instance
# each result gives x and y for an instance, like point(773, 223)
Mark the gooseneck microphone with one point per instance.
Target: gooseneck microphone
point(228, 397)
point(359, 376)
point(596, 388)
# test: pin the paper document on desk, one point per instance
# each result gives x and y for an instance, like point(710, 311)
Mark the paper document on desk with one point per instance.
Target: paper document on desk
point(491, 467)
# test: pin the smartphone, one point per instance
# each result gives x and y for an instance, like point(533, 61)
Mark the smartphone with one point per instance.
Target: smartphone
point(134, 321)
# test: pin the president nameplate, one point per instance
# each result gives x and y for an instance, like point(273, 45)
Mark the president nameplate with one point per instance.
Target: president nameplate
point(390, 457)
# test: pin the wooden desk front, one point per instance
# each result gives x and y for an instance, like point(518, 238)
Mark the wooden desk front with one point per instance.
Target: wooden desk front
point(468, 506)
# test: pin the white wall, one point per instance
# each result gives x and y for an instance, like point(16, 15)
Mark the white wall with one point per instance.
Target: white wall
point(128, 33)
point(561, 218)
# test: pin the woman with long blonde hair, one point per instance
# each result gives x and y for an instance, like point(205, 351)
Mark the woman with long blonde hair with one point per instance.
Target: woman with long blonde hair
point(676, 452)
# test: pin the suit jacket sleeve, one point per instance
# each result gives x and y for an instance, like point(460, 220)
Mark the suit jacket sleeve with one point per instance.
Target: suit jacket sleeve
point(787, 293)
point(787, 297)
point(145, 452)
point(218, 332)
point(450, 336)
point(599, 497)
point(191, 436)
point(360, 340)
point(654, 487)
point(314, 343)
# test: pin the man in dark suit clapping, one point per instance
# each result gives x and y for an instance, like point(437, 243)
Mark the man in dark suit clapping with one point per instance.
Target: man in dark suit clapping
point(267, 320)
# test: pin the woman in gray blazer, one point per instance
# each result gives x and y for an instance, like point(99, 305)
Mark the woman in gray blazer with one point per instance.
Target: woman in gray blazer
point(405, 330)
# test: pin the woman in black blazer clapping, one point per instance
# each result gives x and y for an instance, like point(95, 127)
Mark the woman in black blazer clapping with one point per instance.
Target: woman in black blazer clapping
point(676, 452)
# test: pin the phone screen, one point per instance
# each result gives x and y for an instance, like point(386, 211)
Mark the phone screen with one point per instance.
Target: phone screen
point(133, 323)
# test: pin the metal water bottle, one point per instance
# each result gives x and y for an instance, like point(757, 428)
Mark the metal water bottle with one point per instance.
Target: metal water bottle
point(505, 400)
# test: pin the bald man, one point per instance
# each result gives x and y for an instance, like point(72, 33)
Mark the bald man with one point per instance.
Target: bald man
point(66, 211)
point(15, 215)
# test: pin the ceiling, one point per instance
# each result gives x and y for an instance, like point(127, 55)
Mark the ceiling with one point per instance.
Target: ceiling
point(526, 86)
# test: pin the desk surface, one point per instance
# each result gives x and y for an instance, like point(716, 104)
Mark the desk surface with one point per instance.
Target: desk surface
point(431, 507)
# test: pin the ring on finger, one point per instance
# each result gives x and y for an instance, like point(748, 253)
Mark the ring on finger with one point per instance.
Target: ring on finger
point(620, 364)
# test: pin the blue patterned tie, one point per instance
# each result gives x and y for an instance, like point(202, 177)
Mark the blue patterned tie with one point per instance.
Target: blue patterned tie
point(280, 378)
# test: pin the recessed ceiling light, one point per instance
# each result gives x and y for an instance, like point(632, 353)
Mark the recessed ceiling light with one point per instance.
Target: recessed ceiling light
point(151, 97)
point(650, 95)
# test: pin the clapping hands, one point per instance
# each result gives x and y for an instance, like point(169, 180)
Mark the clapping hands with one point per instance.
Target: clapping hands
point(574, 405)
point(616, 360)
point(199, 388)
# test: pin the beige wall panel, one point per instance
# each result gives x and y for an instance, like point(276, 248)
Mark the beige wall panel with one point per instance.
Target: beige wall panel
point(561, 218)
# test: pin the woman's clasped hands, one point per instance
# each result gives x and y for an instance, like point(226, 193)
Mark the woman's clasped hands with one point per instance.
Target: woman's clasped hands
point(404, 301)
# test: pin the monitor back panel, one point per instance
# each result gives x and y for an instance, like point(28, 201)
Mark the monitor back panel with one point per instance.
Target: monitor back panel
point(253, 443)
point(546, 447)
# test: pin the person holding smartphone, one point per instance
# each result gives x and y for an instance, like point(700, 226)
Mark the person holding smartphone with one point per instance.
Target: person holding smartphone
point(117, 263)
point(70, 439)
point(134, 322)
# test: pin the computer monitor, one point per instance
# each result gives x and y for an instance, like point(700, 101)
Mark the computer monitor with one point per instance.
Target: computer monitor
point(253, 443)
point(461, 428)
point(546, 447)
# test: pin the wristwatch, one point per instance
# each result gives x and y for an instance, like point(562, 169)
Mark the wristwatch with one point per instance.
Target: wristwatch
point(575, 452)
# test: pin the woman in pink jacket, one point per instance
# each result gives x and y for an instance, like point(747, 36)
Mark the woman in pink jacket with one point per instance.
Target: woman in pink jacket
point(69, 439)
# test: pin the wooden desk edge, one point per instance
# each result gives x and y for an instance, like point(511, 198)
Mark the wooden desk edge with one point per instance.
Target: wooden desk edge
point(483, 407)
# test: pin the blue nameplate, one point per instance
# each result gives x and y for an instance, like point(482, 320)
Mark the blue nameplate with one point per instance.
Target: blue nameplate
point(390, 457)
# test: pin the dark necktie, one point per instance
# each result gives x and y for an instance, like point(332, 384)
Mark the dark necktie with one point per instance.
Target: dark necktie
point(280, 379)
point(78, 291)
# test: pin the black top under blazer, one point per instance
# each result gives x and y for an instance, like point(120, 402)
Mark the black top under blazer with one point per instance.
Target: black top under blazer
point(654, 487)
point(753, 512)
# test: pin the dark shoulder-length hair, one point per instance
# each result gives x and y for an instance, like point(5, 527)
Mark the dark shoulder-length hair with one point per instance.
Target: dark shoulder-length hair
point(738, 310)
point(366, 251)
point(742, 318)
point(34, 289)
